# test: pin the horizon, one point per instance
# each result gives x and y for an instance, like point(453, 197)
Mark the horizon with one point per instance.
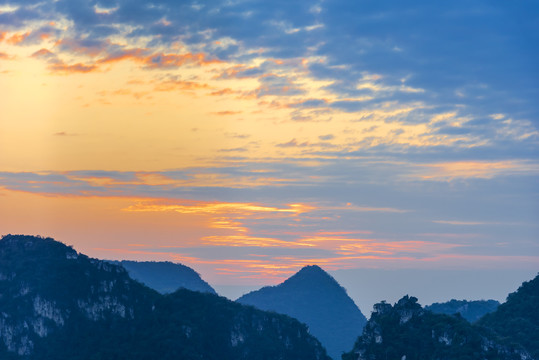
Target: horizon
point(366, 290)
point(249, 139)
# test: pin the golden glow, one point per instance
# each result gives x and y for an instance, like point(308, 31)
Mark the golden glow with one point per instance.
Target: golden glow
point(93, 109)
point(219, 208)
point(171, 122)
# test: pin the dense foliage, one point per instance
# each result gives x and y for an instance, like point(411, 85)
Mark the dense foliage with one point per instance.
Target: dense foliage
point(470, 310)
point(58, 304)
point(315, 298)
point(406, 331)
point(517, 320)
point(165, 277)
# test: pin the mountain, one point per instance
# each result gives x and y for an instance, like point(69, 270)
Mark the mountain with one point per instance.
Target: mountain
point(58, 304)
point(164, 276)
point(314, 297)
point(517, 320)
point(407, 331)
point(470, 310)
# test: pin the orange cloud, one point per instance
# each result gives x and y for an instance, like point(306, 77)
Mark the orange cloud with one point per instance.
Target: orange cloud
point(224, 113)
point(75, 68)
point(226, 91)
point(173, 85)
point(241, 240)
point(43, 53)
point(17, 38)
point(142, 178)
point(130, 54)
point(220, 208)
point(235, 71)
point(158, 60)
point(194, 180)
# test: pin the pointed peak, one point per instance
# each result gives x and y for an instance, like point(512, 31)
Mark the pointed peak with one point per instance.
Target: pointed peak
point(313, 269)
point(311, 274)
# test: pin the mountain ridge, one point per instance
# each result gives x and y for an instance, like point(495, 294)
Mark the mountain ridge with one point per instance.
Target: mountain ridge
point(165, 276)
point(315, 298)
point(517, 319)
point(470, 310)
point(62, 305)
point(407, 331)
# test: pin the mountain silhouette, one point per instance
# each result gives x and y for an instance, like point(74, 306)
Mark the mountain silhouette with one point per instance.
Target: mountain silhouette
point(165, 276)
point(58, 304)
point(314, 297)
point(407, 331)
point(470, 310)
point(517, 320)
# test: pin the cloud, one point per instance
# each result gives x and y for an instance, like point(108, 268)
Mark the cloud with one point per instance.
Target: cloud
point(218, 207)
point(227, 112)
point(352, 207)
point(238, 136)
point(88, 47)
point(471, 223)
point(63, 133)
point(242, 72)
point(56, 65)
point(311, 103)
point(155, 60)
point(326, 137)
point(292, 143)
point(236, 149)
point(73, 68)
point(477, 169)
point(44, 54)
point(17, 38)
point(174, 84)
point(222, 92)
point(161, 60)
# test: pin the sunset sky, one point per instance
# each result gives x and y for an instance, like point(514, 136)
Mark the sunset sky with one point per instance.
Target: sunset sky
point(247, 139)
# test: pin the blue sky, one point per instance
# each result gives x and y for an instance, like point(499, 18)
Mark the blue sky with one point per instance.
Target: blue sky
point(247, 139)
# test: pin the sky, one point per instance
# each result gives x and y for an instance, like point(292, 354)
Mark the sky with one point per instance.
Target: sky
point(381, 140)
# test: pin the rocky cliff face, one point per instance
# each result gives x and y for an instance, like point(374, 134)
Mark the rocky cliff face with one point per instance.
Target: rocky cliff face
point(407, 331)
point(58, 304)
point(45, 284)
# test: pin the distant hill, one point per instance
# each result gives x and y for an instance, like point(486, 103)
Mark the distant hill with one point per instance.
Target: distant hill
point(165, 277)
point(470, 310)
point(314, 297)
point(406, 331)
point(517, 320)
point(58, 304)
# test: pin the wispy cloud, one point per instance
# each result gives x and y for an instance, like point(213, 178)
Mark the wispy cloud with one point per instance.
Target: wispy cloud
point(472, 223)
point(216, 208)
point(478, 169)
